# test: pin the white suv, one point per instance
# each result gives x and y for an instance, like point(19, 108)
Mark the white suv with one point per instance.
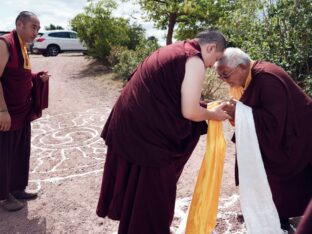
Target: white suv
point(53, 42)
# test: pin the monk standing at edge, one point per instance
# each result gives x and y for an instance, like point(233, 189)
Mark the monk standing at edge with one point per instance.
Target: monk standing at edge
point(152, 131)
point(19, 90)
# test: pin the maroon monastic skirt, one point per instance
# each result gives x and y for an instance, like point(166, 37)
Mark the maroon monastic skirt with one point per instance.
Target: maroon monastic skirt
point(14, 160)
point(141, 198)
point(292, 195)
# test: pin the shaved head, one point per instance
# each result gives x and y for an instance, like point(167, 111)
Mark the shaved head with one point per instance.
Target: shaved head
point(27, 26)
point(24, 17)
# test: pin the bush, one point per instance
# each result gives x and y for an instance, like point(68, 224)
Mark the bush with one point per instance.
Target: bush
point(308, 85)
point(128, 60)
point(214, 88)
point(100, 31)
point(276, 31)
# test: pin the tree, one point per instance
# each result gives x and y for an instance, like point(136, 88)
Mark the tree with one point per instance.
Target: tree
point(203, 14)
point(185, 15)
point(136, 33)
point(53, 27)
point(99, 29)
point(128, 60)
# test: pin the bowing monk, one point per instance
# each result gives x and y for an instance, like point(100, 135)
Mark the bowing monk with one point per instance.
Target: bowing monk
point(151, 132)
point(19, 98)
point(282, 115)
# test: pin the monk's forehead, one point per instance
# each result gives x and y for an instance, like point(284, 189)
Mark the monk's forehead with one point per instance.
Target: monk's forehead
point(222, 67)
point(34, 19)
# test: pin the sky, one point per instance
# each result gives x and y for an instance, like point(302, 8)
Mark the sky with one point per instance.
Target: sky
point(59, 12)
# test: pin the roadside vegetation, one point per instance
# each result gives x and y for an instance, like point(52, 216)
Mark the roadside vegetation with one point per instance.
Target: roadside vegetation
point(279, 31)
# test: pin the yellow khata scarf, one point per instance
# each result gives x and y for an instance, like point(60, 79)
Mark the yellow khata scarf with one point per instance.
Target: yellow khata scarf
point(237, 92)
point(202, 216)
point(24, 53)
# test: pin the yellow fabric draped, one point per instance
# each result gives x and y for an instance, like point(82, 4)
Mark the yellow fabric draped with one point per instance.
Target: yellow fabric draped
point(24, 53)
point(202, 216)
point(237, 92)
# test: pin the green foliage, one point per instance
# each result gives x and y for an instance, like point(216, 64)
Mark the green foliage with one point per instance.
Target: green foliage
point(276, 31)
point(136, 33)
point(308, 84)
point(53, 27)
point(128, 60)
point(100, 31)
point(203, 14)
point(186, 17)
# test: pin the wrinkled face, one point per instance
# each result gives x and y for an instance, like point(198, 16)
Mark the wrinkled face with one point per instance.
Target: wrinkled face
point(233, 76)
point(212, 55)
point(28, 30)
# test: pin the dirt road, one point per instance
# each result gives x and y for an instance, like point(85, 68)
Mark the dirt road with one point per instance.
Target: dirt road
point(68, 157)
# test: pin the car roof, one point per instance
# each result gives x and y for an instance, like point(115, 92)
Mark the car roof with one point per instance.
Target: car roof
point(57, 30)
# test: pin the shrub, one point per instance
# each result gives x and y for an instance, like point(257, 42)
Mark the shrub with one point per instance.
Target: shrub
point(214, 88)
point(128, 60)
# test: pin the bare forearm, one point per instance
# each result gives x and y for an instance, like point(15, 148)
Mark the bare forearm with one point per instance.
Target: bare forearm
point(3, 106)
point(200, 114)
point(4, 56)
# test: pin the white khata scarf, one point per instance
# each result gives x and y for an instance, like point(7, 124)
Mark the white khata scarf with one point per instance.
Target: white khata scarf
point(257, 205)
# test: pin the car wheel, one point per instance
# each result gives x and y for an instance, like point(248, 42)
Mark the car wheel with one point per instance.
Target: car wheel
point(45, 54)
point(53, 50)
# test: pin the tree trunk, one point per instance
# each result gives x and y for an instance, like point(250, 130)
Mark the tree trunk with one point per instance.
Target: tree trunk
point(172, 22)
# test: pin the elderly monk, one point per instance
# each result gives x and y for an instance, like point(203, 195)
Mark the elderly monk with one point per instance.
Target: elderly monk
point(282, 115)
point(152, 131)
point(20, 102)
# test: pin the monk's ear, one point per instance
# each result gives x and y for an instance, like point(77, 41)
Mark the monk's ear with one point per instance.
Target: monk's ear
point(211, 47)
point(19, 24)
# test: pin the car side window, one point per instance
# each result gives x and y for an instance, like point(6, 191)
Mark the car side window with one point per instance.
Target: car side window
point(60, 34)
point(72, 35)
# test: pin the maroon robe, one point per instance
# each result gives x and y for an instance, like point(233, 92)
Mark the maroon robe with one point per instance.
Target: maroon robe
point(283, 119)
point(149, 141)
point(24, 92)
point(25, 96)
point(305, 225)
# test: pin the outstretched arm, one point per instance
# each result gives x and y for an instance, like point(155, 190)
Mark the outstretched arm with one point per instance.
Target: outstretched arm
point(191, 92)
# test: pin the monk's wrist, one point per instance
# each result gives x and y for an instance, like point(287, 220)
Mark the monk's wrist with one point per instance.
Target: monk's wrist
point(4, 110)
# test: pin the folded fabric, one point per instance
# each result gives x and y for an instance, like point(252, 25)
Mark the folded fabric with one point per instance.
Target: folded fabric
point(256, 200)
point(202, 216)
point(40, 96)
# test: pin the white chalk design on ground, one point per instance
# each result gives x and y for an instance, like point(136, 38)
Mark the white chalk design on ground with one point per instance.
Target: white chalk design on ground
point(67, 145)
point(228, 222)
point(59, 140)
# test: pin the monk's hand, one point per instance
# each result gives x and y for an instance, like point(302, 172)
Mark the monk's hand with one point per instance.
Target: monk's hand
point(219, 113)
point(5, 120)
point(44, 76)
point(230, 107)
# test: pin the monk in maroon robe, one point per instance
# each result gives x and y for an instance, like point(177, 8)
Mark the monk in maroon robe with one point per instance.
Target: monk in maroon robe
point(152, 131)
point(282, 115)
point(23, 95)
